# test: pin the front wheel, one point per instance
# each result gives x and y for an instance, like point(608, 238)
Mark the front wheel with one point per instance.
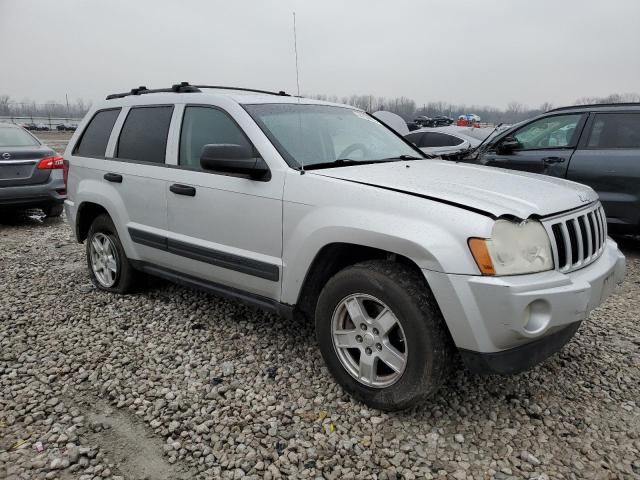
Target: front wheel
point(382, 335)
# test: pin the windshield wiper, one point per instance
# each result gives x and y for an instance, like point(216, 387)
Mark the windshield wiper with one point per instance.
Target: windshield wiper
point(486, 139)
point(345, 162)
point(404, 157)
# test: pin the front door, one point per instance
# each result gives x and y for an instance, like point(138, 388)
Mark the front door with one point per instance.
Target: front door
point(222, 228)
point(542, 146)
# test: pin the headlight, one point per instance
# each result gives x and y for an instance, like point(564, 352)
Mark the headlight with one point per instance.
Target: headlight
point(514, 248)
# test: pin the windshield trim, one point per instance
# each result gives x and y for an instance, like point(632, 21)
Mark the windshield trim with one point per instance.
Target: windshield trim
point(289, 159)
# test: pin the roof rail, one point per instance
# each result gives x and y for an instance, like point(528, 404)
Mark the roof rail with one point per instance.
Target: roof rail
point(185, 87)
point(594, 105)
point(182, 87)
point(281, 93)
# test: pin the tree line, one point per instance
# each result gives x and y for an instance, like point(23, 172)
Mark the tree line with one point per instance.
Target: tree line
point(513, 113)
point(29, 108)
point(403, 106)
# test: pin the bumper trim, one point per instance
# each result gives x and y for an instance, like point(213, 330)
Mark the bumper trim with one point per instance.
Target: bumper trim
point(518, 359)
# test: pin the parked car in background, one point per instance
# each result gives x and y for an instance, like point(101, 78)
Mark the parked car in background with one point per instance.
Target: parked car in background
point(423, 121)
point(31, 173)
point(597, 145)
point(441, 121)
point(437, 141)
point(317, 210)
point(413, 126)
point(30, 126)
point(42, 127)
point(65, 127)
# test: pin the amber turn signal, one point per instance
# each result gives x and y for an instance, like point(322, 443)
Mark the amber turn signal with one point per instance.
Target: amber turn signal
point(481, 255)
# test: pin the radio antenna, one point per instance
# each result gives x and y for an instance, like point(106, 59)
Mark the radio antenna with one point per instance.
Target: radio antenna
point(295, 47)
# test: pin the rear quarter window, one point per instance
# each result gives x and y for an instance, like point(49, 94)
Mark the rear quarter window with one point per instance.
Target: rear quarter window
point(94, 139)
point(615, 130)
point(144, 134)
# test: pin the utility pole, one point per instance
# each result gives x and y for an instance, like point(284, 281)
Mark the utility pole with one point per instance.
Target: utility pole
point(67, 99)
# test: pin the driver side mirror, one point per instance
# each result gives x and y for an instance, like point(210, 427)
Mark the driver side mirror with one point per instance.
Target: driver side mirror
point(234, 159)
point(508, 145)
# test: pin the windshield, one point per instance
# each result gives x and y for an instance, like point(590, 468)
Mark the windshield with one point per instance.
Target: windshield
point(16, 137)
point(322, 135)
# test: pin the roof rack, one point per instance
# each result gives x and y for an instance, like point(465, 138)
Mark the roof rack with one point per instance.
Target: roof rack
point(281, 93)
point(185, 87)
point(595, 105)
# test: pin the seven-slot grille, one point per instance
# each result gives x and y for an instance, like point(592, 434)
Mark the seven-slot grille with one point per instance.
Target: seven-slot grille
point(578, 238)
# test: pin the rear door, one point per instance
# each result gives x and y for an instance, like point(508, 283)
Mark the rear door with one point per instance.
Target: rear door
point(608, 160)
point(138, 173)
point(120, 159)
point(544, 145)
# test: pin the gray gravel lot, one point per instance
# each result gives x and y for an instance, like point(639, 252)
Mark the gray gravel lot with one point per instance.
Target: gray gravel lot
point(172, 383)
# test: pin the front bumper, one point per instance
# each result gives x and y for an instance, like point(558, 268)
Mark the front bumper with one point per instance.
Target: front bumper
point(509, 319)
point(52, 192)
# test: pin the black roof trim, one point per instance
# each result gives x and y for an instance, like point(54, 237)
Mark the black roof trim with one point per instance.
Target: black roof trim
point(185, 87)
point(595, 105)
point(281, 93)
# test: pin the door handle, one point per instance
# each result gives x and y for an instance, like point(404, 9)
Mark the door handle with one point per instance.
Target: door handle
point(183, 190)
point(552, 160)
point(113, 177)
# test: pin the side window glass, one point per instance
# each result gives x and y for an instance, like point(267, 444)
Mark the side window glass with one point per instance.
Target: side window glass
point(437, 139)
point(414, 138)
point(204, 126)
point(95, 137)
point(615, 130)
point(144, 134)
point(551, 132)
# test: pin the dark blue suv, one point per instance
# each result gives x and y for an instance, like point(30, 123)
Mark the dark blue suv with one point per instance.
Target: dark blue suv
point(598, 145)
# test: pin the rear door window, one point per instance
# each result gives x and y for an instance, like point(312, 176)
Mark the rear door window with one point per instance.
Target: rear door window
point(144, 134)
point(95, 137)
point(615, 130)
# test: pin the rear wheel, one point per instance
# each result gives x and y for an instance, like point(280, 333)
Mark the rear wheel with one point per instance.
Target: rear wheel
point(382, 335)
point(53, 210)
point(109, 267)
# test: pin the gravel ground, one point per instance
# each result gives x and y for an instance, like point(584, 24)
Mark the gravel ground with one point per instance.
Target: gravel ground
point(171, 383)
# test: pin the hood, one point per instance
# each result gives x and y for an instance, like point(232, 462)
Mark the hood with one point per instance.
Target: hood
point(491, 190)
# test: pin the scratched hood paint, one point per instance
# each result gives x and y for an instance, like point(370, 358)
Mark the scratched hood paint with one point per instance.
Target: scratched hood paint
point(493, 190)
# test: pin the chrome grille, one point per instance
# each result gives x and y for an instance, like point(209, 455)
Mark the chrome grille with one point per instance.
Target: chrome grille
point(577, 238)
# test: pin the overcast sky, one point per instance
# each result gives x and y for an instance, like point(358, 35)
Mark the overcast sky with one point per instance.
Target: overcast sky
point(483, 52)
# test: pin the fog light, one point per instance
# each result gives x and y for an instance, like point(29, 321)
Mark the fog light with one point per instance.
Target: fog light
point(536, 316)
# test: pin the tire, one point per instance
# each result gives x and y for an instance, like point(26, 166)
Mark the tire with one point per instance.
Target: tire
point(53, 210)
point(125, 276)
point(426, 347)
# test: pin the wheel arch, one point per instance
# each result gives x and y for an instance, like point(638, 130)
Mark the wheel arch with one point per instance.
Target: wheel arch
point(87, 213)
point(331, 259)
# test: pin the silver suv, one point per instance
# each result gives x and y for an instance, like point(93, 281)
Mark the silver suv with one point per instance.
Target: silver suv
point(308, 208)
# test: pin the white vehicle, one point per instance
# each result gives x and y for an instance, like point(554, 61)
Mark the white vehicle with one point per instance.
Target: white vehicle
point(309, 208)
